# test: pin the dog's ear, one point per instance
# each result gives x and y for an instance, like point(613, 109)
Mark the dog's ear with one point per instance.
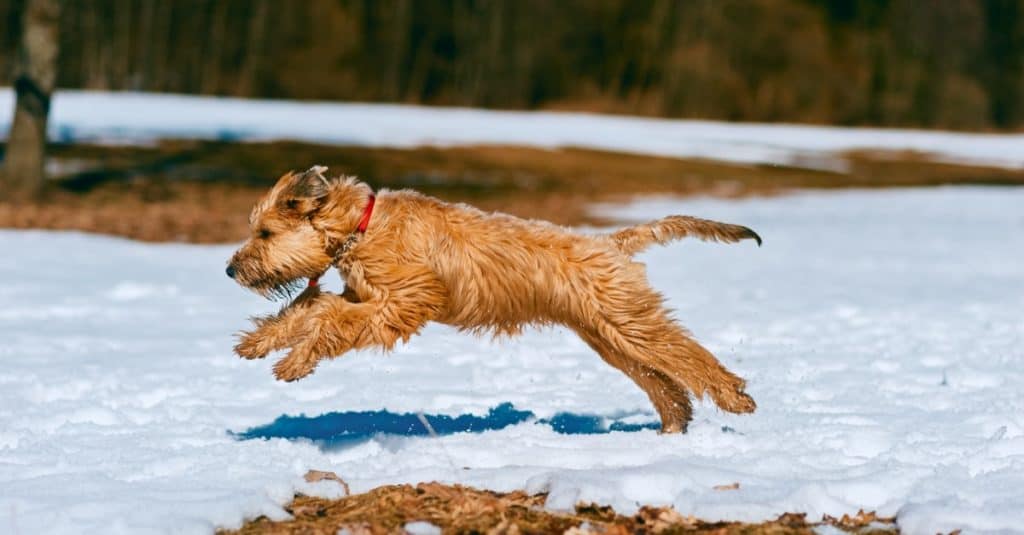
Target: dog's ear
point(305, 190)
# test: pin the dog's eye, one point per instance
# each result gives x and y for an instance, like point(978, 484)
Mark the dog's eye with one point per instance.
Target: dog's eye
point(265, 233)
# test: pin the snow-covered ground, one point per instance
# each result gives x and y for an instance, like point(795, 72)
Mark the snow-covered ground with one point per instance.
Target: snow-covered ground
point(138, 117)
point(881, 333)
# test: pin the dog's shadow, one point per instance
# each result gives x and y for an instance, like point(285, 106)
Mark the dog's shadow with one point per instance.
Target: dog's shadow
point(335, 430)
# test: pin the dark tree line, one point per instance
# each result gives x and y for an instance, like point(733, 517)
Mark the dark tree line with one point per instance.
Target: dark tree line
point(929, 63)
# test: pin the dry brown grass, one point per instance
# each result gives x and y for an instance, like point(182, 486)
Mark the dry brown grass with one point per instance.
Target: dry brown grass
point(458, 509)
point(202, 191)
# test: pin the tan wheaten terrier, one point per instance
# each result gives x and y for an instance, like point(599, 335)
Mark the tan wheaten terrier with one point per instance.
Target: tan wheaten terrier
point(407, 259)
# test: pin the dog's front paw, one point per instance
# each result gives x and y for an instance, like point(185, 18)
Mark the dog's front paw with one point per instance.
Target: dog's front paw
point(293, 367)
point(251, 346)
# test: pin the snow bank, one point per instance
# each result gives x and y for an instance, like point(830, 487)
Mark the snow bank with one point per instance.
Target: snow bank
point(141, 117)
point(880, 332)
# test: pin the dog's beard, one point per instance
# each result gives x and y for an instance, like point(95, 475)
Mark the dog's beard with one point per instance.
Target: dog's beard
point(273, 283)
point(283, 292)
point(276, 290)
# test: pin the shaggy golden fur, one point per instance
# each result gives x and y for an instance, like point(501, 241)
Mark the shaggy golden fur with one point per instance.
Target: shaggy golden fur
point(425, 260)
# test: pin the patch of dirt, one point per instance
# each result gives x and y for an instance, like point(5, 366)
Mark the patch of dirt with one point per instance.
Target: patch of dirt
point(458, 509)
point(202, 192)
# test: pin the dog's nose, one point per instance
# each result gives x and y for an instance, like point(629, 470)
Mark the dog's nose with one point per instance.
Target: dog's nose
point(230, 271)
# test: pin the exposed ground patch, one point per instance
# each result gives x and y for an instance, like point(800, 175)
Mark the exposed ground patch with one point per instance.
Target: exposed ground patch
point(459, 509)
point(202, 191)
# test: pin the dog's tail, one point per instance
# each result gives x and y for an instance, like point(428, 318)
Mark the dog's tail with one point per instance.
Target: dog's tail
point(632, 240)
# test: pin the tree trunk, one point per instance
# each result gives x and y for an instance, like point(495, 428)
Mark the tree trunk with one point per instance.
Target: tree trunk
point(249, 78)
point(35, 75)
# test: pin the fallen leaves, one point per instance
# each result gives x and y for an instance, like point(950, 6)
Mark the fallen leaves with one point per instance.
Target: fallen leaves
point(313, 476)
point(860, 520)
point(458, 509)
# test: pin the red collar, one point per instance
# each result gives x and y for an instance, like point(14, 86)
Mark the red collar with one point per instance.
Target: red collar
point(365, 221)
point(360, 228)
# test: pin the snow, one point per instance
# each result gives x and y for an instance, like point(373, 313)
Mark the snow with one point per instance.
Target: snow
point(421, 528)
point(880, 332)
point(142, 117)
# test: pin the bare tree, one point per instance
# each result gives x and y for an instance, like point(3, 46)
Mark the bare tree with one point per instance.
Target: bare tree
point(35, 76)
point(248, 81)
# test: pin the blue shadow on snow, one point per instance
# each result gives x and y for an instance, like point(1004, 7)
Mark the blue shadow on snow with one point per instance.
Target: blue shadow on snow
point(337, 429)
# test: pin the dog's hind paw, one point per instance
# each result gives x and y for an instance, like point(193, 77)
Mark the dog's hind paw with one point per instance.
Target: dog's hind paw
point(743, 404)
point(734, 399)
point(250, 346)
point(292, 368)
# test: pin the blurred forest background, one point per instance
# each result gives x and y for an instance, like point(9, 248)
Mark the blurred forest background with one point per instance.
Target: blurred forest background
point(950, 64)
point(955, 64)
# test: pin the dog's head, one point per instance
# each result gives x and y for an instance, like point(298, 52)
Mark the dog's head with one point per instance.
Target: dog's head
point(291, 229)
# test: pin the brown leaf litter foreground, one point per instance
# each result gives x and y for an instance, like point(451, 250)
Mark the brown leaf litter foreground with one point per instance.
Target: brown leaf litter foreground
point(202, 192)
point(458, 509)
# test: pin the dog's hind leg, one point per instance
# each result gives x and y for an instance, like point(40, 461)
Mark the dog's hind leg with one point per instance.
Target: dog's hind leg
point(632, 321)
point(670, 399)
point(681, 357)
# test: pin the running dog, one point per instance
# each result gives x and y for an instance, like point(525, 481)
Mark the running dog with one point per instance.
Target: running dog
point(408, 259)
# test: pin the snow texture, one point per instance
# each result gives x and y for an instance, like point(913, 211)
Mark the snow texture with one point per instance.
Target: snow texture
point(141, 117)
point(880, 332)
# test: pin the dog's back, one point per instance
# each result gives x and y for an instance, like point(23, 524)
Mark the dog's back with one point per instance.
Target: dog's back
point(502, 271)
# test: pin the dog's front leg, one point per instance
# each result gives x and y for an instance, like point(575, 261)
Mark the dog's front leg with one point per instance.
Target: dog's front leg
point(276, 331)
point(284, 329)
point(335, 325)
